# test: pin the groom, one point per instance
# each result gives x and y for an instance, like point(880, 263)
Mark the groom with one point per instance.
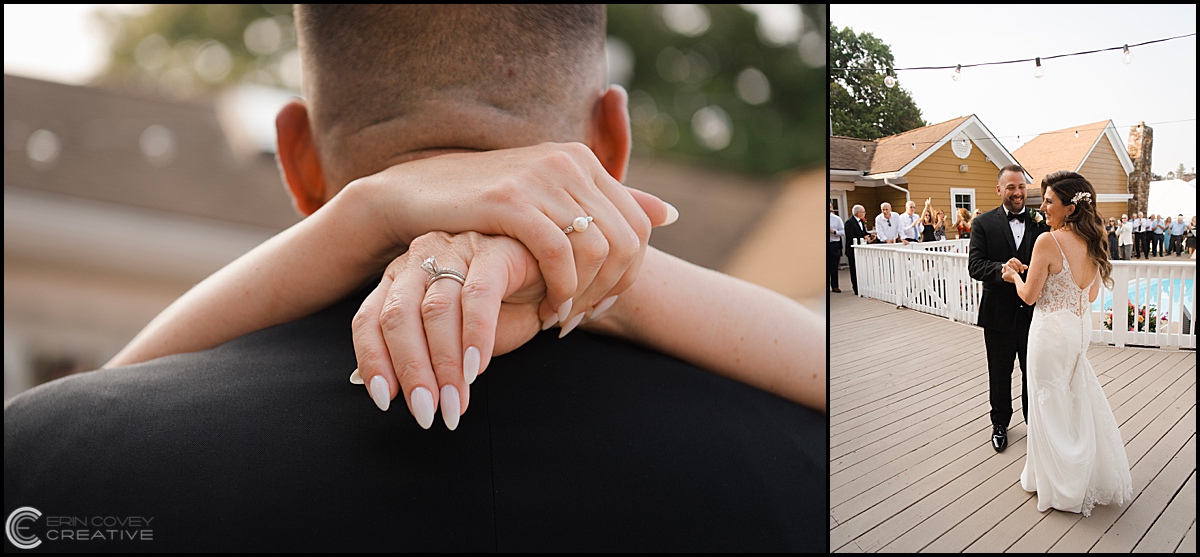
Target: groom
point(1004, 235)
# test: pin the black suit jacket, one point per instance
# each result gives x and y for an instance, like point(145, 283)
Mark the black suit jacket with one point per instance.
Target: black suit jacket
point(854, 230)
point(261, 444)
point(991, 246)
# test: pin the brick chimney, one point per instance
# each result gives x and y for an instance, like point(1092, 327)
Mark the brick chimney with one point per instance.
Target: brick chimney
point(1141, 142)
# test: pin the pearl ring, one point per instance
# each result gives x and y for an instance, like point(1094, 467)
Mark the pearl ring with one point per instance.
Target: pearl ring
point(578, 225)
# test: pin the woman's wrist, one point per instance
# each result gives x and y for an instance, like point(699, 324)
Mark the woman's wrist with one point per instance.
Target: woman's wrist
point(373, 218)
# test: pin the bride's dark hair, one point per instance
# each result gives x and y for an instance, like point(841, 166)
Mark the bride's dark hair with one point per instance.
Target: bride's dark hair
point(1085, 220)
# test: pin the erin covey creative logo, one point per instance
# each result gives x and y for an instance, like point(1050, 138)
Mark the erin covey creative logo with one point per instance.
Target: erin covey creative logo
point(27, 528)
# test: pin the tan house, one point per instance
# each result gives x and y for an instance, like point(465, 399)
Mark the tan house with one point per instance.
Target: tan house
point(953, 163)
point(1094, 150)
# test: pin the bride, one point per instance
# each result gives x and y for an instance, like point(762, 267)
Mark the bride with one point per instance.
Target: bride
point(1075, 458)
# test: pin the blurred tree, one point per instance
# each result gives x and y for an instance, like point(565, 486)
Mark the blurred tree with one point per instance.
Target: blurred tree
point(860, 104)
point(706, 82)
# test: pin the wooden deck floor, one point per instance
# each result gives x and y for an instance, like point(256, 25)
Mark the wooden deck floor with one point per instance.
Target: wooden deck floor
point(911, 468)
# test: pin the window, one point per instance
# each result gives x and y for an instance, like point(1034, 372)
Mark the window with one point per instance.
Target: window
point(962, 198)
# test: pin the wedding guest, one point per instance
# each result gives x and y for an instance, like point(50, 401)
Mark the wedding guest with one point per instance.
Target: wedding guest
point(1141, 238)
point(1156, 235)
point(834, 250)
point(887, 224)
point(1166, 235)
point(927, 223)
point(1125, 238)
point(939, 226)
point(1111, 229)
point(1191, 237)
point(963, 223)
point(1178, 231)
point(856, 235)
point(911, 227)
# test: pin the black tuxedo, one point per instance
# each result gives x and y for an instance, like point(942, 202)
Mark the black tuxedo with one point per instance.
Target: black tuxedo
point(1002, 314)
point(261, 444)
point(854, 230)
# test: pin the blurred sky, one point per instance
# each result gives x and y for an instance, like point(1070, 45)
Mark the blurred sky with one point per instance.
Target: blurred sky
point(1158, 87)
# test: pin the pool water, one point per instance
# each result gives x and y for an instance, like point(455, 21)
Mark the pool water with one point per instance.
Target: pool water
point(1168, 296)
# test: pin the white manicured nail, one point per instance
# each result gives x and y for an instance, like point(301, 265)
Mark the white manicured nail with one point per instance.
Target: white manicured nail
point(672, 214)
point(602, 307)
point(550, 321)
point(355, 378)
point(470, 364)
point(570, 325)
point(564, 310)
point(379, 392)
point(422, 406)
point(450, 406)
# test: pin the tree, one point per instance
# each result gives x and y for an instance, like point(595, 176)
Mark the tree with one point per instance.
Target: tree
point(712, 92)
point(860, 104)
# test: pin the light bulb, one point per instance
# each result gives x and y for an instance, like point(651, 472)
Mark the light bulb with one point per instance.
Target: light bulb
point(957, 73)
point(889, 81)
point(1127, 57)
point(1039, 72)
point(1076, 134)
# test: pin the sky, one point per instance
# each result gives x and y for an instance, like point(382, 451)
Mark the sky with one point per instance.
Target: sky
point(1158, 87)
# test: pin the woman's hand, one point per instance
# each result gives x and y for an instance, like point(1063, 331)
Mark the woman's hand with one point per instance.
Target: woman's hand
point(531, 194)
point(429, 343)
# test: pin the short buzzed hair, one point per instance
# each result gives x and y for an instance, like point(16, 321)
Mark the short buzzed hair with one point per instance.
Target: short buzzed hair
point(1011, 168)
point(366, 64)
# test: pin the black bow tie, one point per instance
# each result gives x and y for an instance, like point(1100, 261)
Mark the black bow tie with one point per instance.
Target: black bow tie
point(1018, 216)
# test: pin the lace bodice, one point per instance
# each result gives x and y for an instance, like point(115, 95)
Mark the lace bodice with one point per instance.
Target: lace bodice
point(1060, 293)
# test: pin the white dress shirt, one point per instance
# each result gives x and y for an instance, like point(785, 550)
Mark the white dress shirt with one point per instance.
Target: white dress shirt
point(839, 229)
point(887, 229)
point(1018, 227)
point(911, 233)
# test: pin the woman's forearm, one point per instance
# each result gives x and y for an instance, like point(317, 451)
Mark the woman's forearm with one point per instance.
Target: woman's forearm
point(726, 325)
point(296, 272)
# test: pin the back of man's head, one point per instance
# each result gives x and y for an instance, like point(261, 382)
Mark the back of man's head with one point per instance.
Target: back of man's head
point(446, 77)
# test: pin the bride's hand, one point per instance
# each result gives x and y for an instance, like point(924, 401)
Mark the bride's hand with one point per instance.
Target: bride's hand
point(428, 343)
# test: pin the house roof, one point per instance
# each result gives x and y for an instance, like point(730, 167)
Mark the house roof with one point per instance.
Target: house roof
point(849, 153)
point(896, 155)
point(1062, 150)
point(133, 150)
point(108, 146)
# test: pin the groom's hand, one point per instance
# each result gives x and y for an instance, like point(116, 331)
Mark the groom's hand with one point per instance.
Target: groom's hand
point(1017, 265)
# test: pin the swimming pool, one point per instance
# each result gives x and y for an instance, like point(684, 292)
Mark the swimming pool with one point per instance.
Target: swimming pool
point(1141, 291)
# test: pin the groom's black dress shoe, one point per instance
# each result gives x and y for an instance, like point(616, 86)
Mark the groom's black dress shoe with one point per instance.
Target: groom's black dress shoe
point(999, 438)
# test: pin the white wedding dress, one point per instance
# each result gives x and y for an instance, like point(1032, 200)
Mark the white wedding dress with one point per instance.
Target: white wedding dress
point(1075, 458)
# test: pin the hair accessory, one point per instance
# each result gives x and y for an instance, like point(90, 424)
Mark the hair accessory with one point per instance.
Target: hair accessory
point(1081, 196)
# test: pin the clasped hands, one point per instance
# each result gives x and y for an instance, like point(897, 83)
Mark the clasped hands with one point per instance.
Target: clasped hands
point(1012, 269)
point(498, 218)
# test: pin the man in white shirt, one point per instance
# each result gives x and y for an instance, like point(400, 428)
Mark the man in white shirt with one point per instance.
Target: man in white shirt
point(887, 224)
point(836, 232)
point(1157, 226)
point(911, 226)
point(1140, 239)
point(1178, 231)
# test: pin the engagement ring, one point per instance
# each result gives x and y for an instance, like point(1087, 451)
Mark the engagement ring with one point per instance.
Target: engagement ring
point(430, 266)
point(579, 225)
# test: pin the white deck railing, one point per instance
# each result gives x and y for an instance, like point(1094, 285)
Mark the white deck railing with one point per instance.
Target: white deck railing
point(932, 277)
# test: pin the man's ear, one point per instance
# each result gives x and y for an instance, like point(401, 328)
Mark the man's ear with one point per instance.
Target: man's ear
point(611, 138)
point(298, 158)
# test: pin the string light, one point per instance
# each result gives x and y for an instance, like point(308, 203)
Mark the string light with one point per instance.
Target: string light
point(1126, 57)
point(1039, 72)
point(890, 80)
